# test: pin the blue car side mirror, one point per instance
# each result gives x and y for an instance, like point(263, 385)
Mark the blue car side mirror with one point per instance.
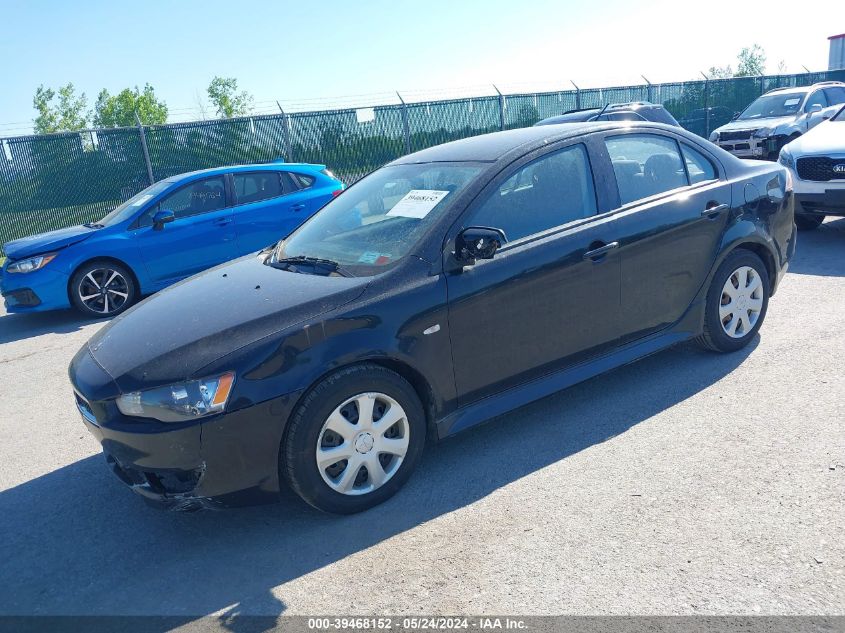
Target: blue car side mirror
point(161, 218)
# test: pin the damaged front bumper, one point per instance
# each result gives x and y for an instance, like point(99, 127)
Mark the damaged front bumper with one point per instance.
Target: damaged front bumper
point(766, 148)
point(230, 459)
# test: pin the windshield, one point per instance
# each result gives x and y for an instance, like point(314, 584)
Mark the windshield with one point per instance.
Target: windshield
point(374, 224)
point(773, 106)
point(131, 206)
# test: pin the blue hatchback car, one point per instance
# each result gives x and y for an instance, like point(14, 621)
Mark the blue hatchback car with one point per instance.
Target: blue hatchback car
point(169, 231)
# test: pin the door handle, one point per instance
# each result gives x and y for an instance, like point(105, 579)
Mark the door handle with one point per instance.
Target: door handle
point(222, 221)
point(600, 251)
point(297, 207)
point(712, 212)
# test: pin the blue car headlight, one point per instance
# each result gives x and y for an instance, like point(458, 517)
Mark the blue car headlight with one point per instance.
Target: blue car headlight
point(31, 263)
point(180, 402)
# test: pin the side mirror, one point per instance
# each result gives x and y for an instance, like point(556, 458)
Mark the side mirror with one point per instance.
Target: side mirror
point(815, 108)
point(478, 242)
point(161, 218)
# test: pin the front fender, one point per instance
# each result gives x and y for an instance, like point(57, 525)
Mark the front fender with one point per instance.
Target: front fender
point(387, 329)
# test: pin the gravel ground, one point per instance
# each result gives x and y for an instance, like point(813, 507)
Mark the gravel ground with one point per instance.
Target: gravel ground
point(685, 483)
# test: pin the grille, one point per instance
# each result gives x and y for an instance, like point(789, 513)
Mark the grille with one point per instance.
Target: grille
point(741, 135)
point(821, 168)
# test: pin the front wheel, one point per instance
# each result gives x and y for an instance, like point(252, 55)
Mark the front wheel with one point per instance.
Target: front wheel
point(354, 440)
point(736, 303)
point(808, 221)
point(102, 289)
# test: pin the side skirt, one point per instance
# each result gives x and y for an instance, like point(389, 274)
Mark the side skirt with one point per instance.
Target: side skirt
point(515, 397)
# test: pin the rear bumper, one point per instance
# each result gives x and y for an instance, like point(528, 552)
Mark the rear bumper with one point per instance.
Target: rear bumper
point(37, 291)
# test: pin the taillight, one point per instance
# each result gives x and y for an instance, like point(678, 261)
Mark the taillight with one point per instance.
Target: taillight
point(337, 192)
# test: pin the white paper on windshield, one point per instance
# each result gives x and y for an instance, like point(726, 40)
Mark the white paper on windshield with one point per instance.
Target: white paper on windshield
point(792, 102)
point(418, 203)
point(141, 200)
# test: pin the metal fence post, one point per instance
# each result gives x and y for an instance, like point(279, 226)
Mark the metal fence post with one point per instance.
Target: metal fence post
point(406, 126)
point(286, 132)
point(144, 148)
point(577, 95)
point(649, 89)
point(706, 105)
point(501, 107)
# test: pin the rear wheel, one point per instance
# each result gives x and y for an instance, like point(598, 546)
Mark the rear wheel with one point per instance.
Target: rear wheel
point(736, 303)
point(102, 289)
point(354, 440)
point(808, 221)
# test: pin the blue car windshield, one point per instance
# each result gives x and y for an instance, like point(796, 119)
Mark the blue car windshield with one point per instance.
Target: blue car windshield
point(773, 106)
point(129, 208)
point(379, 220)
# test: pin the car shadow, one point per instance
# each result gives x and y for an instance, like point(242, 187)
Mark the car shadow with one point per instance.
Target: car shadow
point(18, 326)
point(75, 541)
point(821, 251)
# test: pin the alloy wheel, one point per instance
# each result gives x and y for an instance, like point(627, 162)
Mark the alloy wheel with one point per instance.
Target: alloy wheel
point(103, 290)
point(741, 302)
point(362, 443)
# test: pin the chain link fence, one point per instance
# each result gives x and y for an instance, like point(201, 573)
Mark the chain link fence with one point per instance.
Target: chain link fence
point(57, 180)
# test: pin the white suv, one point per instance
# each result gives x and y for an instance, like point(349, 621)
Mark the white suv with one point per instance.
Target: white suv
point(817, 163)
point(777, 118)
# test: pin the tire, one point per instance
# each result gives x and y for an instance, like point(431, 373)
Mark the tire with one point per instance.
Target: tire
point(87, 287)
point(328, 425)
point(726, 329)
point(808, 221)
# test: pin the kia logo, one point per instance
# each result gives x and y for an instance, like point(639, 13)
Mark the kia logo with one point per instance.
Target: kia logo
point(839, 169)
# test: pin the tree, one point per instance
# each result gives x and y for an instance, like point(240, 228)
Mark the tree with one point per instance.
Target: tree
point(119, 110)
point(751, 62)
point(223, 92)
point(68, 115)
point(720, 72)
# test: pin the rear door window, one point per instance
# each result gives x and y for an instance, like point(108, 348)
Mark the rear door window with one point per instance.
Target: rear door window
point(645, 165)
point(262, 185)
point(699, 167)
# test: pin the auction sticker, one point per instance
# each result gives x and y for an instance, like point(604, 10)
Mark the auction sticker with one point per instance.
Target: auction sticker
point(417, 203)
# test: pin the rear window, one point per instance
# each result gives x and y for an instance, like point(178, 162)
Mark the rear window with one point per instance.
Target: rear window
point(303, 181)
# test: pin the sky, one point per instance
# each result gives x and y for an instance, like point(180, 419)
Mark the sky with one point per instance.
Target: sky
point(315, 55)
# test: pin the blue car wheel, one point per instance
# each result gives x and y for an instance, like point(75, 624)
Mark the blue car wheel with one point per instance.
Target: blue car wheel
point(102, 289)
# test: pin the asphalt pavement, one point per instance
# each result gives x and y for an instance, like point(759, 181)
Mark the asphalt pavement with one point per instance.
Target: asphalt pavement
point(686, 483)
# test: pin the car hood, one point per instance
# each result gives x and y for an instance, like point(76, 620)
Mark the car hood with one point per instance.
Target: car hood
point(825, 138)
point(756, 124)
point(45, 242)
point(175, 333)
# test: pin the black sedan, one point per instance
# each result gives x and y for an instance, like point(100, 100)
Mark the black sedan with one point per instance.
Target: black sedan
point(450, 286)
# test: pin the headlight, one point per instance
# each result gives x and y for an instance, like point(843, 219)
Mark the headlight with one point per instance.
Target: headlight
point(30, 264)
point(763, 132)
point(714, 137)
point(179, 402)
point(786, 159)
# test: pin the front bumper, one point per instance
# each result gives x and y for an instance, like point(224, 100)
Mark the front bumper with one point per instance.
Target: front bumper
point(224, 460)
point(753, 147)
point(37, 291)
point(826, 198)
